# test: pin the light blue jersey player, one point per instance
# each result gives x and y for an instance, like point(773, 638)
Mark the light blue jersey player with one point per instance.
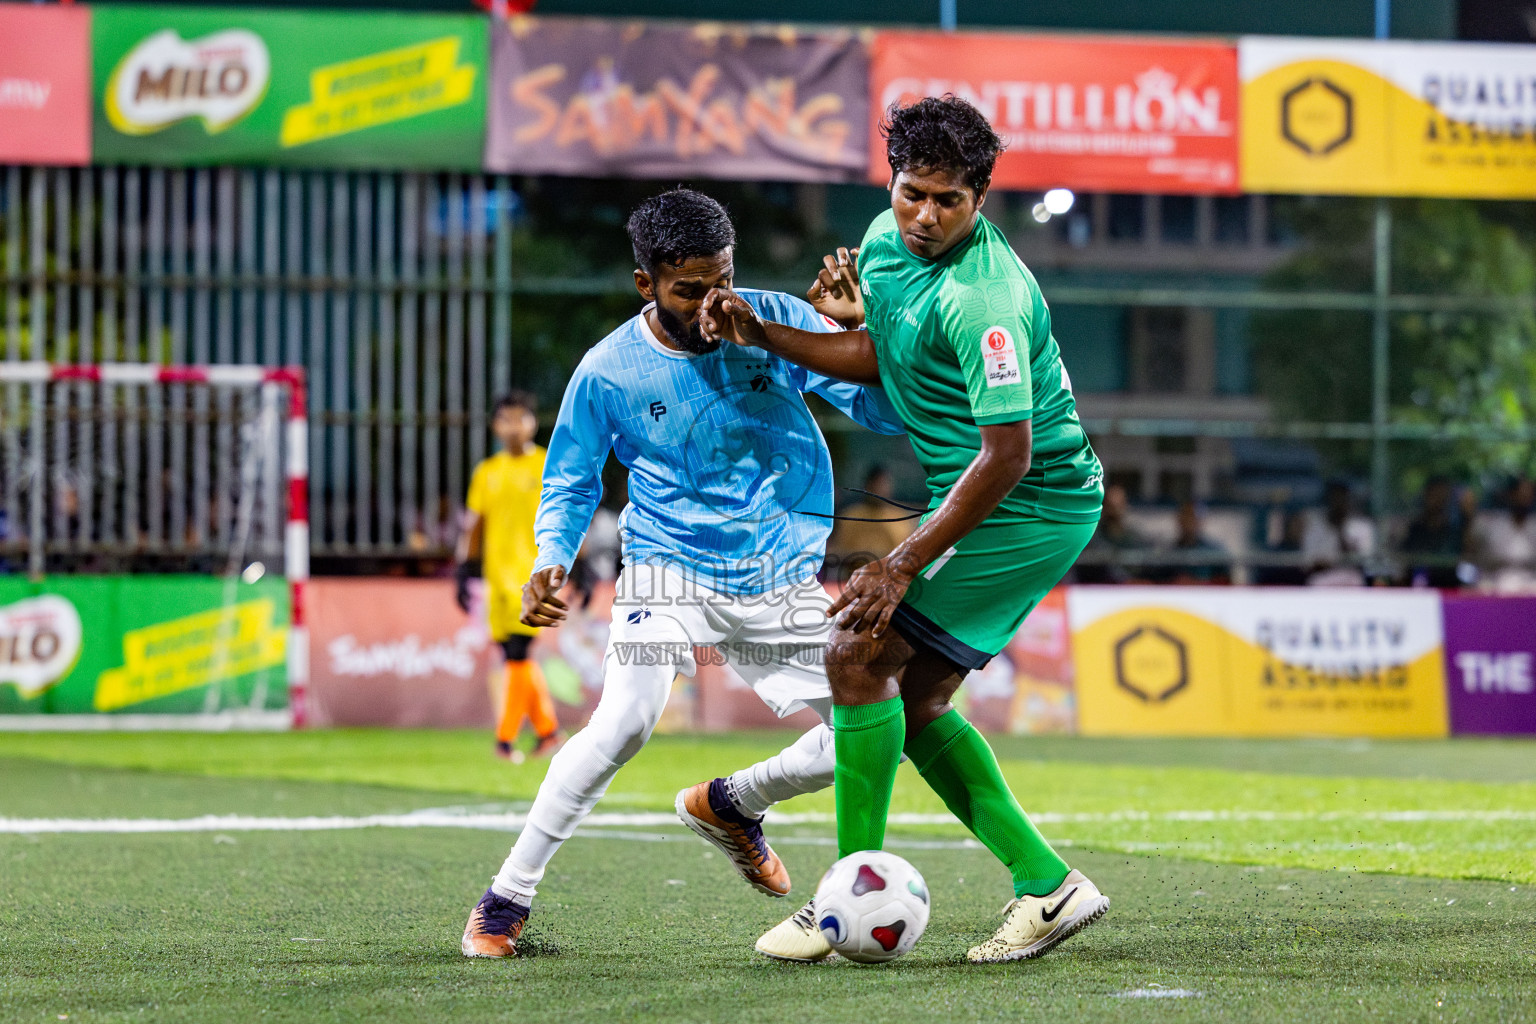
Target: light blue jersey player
point(730, 487)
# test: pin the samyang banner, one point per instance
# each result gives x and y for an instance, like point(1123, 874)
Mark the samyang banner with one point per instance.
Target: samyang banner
point(191, 85)
point(45, 84)
point(1351, 117)
point(641, 100)
point(1109, 115)
point(107, 645)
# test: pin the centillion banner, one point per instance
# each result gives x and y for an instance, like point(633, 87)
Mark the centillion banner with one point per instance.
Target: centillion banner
point(1209, 661)
point(1351, 117)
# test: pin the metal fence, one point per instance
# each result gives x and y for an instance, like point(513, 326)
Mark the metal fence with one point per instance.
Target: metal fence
point(395, 293)
point(392, 290)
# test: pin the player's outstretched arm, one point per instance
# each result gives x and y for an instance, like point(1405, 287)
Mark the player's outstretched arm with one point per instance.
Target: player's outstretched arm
point(873, 592)
point(846, 355)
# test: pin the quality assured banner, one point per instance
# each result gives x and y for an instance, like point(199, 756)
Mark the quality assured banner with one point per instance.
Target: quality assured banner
point(45, 84)
point(641, 100)
point(142, 644)
point(1209, 661)
point(1386, 118)
point(1490, 663)
point(1083, 113)
point(189, 85)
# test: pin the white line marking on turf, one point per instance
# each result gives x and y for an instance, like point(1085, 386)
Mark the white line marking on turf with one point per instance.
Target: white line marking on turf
point(1159, 993)
point(510, 821)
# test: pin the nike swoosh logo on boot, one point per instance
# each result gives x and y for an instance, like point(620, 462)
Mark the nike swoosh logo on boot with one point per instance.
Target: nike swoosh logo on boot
point(1050, 915)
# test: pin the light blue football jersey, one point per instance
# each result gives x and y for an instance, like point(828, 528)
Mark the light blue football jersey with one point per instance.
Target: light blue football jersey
point(726, 464)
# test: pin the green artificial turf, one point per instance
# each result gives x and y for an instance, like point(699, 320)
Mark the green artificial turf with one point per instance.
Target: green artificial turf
point(1192, 805)
point(648, 923)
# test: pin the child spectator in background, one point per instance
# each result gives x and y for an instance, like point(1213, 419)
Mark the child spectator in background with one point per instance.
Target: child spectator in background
point(498, 543)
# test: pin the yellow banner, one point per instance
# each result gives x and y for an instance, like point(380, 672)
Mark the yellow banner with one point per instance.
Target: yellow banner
point(379, 89)
point(191, 652)
point(1365, 118)
point(1228, 662)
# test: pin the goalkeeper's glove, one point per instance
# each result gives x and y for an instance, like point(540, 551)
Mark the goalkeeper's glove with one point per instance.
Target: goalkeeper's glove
point(462, 573)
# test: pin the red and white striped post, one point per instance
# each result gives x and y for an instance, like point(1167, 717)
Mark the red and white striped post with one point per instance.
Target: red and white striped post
point(296, 540)
point(296, 535)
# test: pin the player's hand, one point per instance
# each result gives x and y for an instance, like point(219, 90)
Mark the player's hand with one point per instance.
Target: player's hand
point(835, 292)
point(541, 603)
point(462, 574)
point(726, 316)
point(871, 596)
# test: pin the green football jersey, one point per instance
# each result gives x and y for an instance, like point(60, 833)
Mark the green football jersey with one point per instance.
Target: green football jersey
point(965, 341)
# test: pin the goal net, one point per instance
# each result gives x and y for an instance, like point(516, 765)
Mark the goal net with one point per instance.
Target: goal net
point(168, 506)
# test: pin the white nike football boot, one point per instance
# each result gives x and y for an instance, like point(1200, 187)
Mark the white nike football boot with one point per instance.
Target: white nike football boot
point(796, 938)
point(1034, 925)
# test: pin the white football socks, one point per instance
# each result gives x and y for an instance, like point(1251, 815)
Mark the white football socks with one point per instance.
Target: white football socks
point(579, 773)
point(804, 766)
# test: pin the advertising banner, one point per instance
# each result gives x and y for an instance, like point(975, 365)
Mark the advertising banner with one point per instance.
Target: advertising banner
point(399, 653)
point(45, 84)
point(1028, 688)
point(641, 100)
point(191, 85)
point(1112, 115)
point(1209, 661)
point(1490, 663)
point(142, 645)
point(1387, 118)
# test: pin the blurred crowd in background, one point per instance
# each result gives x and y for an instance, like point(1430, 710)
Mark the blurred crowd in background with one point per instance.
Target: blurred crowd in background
point(1456, 539)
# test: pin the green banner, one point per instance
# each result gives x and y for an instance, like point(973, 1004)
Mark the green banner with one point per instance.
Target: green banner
point(142, 644)
point(206, 85)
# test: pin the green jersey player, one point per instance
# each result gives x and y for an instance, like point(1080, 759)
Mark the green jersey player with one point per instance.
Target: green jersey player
point(957, 332)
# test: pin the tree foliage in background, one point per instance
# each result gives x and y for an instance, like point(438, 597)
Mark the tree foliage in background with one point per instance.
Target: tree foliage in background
point(572, 229)
point(1447, 368)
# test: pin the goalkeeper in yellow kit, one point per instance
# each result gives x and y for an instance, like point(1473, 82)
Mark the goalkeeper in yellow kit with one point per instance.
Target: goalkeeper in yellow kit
point(498, 543)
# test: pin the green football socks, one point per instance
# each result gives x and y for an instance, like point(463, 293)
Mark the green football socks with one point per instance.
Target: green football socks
point(956, 761)
point(868, 739)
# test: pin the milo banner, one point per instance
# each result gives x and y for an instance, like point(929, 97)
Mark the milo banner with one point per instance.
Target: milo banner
point(642, 100)
point(186, 645)
point(191, 85)
point(1207, 661)
point(1389, 118)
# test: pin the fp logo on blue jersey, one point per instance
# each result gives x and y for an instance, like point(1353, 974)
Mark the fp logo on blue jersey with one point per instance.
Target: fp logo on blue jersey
point(640, 616)
point(658, 410)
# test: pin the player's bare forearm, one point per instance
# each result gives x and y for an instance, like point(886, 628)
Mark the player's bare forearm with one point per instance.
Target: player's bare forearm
point(876, 589)
point(846, 355)
point(996, 470)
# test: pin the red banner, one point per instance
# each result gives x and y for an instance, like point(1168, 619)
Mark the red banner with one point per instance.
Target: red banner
point(1098, 115)
point(45, 85)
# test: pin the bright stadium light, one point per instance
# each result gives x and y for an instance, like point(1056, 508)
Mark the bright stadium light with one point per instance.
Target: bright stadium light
point(1058, 201)
point(1040, 213)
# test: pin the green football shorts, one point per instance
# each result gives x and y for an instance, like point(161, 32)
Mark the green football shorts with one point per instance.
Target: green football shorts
point(970, 601)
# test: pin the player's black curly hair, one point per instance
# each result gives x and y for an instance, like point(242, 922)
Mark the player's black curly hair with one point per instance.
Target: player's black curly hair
point(941, 133)
point(676, 226)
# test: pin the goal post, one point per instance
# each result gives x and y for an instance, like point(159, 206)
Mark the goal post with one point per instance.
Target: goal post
point(138, 471)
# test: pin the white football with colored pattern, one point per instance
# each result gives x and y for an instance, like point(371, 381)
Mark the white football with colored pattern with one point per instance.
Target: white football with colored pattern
point(872, 906)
